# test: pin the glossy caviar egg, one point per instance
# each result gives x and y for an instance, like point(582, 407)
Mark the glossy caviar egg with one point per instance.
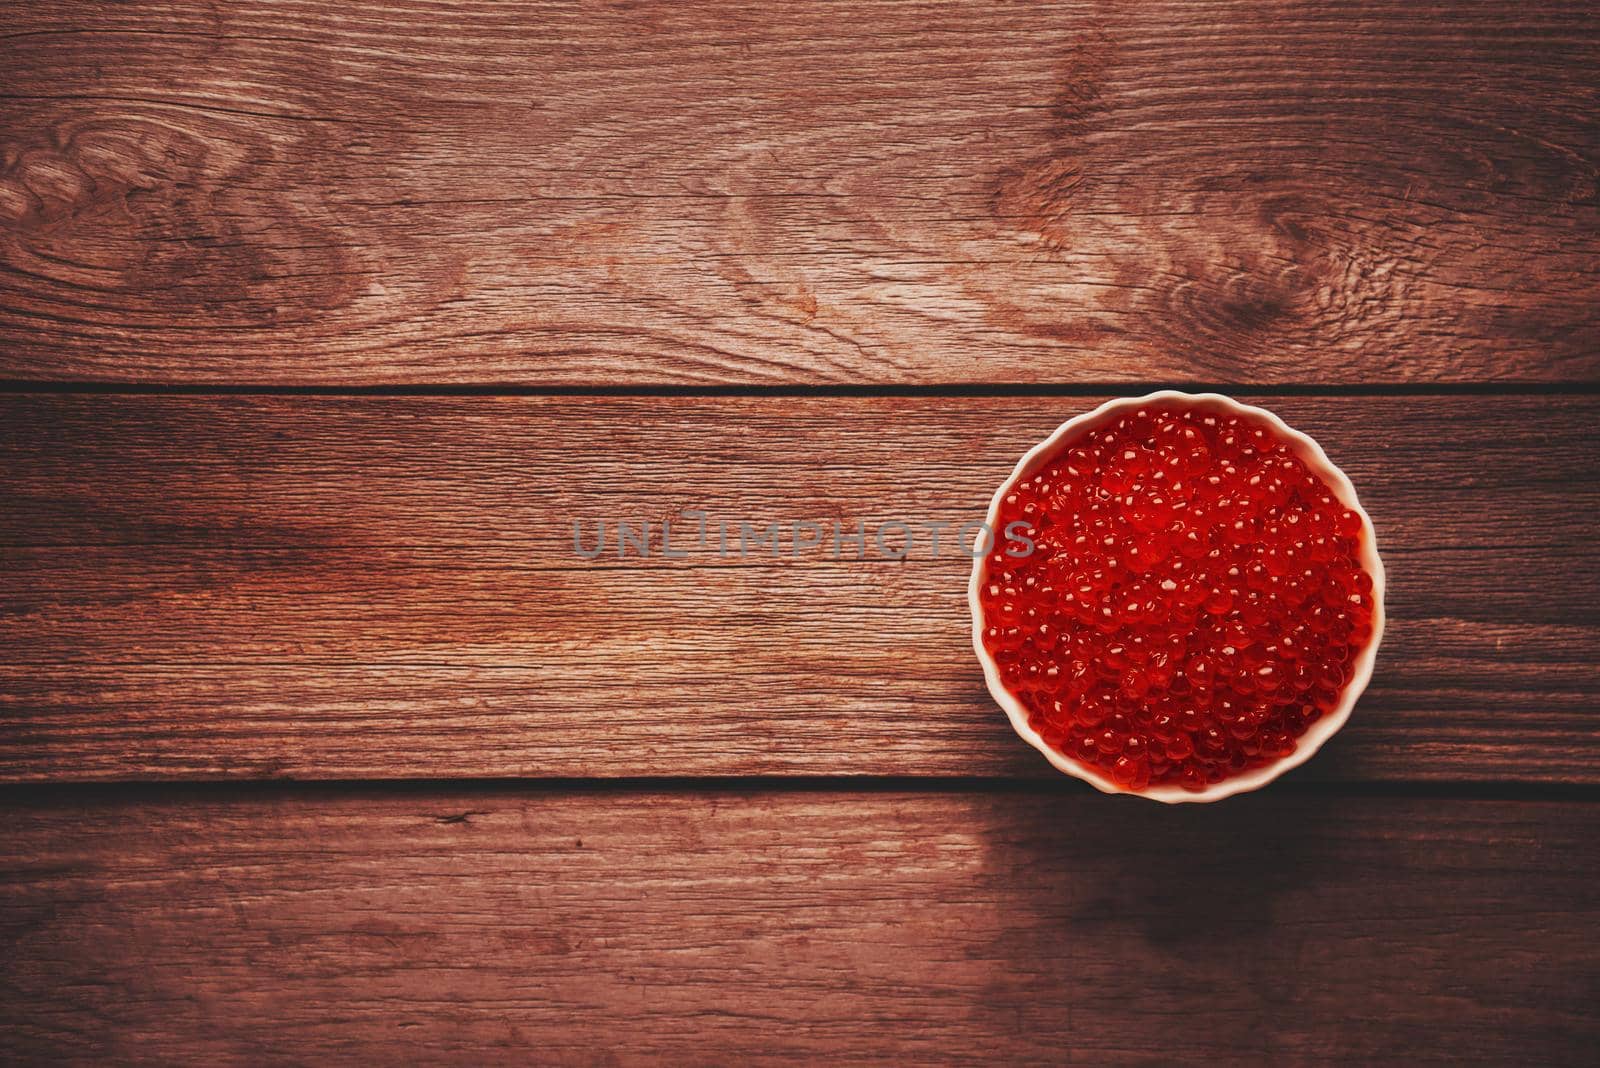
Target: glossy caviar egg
point(1188, 601)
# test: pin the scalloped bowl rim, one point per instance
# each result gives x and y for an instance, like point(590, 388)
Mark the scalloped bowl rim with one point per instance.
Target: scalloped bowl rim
point(1319, 732)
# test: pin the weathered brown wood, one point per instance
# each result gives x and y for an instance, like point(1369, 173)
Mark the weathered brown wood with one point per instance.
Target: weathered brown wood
point(738, 928)
point(869, 192)
point(374, 587)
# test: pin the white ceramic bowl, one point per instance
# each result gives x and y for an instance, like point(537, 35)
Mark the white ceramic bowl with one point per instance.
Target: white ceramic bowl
point(1314, 458)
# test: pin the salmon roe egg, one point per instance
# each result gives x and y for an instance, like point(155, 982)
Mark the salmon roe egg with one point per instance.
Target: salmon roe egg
point(1181, 597)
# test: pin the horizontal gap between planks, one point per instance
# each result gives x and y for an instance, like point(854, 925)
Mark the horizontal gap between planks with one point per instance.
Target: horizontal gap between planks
point(997, 389)
point(144, 790)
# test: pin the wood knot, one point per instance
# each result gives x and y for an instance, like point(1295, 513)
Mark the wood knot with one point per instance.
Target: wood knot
point(1036, 199)
point(1269, 279)
point(1037, 202)
point(176, 213)
point(77, 168)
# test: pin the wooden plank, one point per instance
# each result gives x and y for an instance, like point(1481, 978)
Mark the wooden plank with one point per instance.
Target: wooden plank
point(372, 587)
point(736, 928)
point(266, 192)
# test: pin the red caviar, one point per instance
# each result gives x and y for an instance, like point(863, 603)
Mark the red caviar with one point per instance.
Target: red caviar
point(1193, 599)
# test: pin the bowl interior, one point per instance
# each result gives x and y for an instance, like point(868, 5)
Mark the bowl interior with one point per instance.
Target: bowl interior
point(1314, 458)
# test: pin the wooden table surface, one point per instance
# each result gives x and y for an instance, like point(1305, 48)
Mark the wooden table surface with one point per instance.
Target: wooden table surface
point(321, 324)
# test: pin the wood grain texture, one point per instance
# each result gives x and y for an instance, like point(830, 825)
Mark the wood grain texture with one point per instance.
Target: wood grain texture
point(373, 587)
point(857, 191)
point(641, 928)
